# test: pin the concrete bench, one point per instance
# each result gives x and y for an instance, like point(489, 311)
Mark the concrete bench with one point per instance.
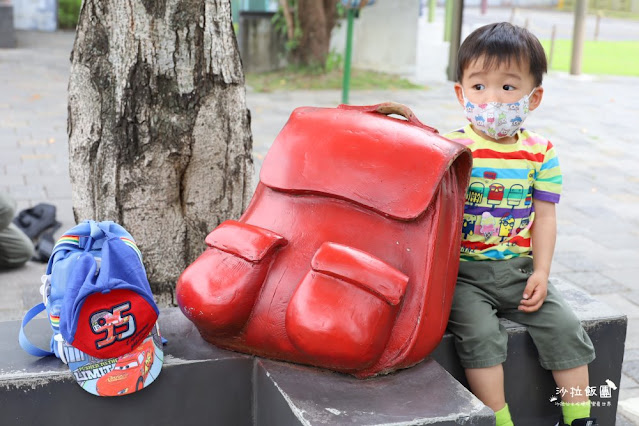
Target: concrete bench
point(529, 388)
point(201, 383)
point(7, 32)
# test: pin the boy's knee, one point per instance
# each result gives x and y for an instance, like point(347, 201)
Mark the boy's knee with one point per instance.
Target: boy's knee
point(483, 346)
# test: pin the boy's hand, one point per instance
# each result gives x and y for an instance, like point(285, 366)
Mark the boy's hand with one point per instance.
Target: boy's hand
point(534, 293)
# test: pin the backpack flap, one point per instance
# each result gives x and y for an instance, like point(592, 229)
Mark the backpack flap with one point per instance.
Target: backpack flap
point(391, 166)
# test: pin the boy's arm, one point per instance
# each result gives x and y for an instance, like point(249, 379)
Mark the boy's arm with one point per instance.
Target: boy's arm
point(544, 234)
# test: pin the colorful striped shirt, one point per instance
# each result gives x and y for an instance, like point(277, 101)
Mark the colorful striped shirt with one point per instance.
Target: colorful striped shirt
point(499, 213)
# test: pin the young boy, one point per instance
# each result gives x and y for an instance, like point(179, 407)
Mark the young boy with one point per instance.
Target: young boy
point(510, 208)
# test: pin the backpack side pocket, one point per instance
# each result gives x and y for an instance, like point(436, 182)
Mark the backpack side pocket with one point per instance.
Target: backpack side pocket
point(218, 291)
point(342, 313)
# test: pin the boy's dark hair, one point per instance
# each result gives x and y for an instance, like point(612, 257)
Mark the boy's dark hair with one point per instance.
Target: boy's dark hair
point(500, 43)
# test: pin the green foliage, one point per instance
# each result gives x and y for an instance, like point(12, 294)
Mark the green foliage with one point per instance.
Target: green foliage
point(68, 12)
point(333, 61)
point(280, 26)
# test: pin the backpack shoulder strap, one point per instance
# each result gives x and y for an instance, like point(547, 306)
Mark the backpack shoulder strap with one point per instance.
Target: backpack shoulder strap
point(22, 338)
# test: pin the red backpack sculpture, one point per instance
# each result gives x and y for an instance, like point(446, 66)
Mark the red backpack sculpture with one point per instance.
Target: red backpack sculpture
point(347, 256)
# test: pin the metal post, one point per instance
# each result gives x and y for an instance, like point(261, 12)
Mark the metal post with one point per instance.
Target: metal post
point(578, 37)
point(347, 57)
point(448, 19)
point(552, 46)
point(455, 38)
point(431, 10)
point(484, 6)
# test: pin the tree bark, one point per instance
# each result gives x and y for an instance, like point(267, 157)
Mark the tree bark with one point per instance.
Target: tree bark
point(316, 19)
point(159, 132)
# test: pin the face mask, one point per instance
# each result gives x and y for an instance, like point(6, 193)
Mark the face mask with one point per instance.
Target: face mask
point(496, 119)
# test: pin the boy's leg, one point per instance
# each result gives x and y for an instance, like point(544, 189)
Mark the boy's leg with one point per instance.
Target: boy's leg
point(488, 385)
point(576, 378)
point(563, 345)
point(575, 406)
point(480, 339)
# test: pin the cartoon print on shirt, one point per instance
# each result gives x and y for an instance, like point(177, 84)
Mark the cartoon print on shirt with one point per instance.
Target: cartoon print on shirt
point(522, 225)
point(475, 193)
point(531, 179)
point(506, 225)
point(489, 175)
point(487, 228)
point(515, 195)
point(496, 194)
point(468, 227)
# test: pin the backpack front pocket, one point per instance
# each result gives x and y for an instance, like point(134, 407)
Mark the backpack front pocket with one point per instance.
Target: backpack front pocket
point(342, 313)
point(218, 291)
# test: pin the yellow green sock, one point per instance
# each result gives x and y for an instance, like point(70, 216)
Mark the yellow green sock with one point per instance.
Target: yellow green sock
point(573, 411)
point(503, 417)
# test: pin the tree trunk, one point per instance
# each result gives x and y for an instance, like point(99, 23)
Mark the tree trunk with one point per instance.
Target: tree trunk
point(159, 132)
point(316, 19)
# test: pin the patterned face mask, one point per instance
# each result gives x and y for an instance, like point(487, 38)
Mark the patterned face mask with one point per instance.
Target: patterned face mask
point(496, 119)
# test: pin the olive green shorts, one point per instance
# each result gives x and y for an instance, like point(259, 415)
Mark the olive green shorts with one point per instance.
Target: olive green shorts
point(488, 290)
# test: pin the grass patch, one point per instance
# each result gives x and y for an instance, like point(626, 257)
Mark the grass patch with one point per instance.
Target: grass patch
point(305, 79)
point(631, 16)
point(599, 57)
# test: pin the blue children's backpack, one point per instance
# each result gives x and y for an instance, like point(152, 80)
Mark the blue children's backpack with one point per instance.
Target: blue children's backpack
point(101, 309)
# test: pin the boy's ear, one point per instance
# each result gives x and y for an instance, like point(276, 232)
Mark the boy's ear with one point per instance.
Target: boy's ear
point(536, 97)
point(460, 95)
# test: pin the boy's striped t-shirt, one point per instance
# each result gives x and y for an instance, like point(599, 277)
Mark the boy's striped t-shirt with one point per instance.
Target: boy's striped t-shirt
point(505, 178)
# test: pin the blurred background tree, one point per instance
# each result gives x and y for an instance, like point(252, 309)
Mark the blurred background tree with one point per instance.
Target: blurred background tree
point(307, 25)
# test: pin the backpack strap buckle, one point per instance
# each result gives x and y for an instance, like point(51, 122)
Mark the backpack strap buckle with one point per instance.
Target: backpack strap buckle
point(60, 345)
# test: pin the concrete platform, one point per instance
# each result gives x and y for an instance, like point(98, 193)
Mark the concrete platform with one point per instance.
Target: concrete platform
point(200, 383)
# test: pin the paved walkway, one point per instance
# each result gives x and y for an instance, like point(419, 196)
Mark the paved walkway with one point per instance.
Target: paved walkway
point(589, 119)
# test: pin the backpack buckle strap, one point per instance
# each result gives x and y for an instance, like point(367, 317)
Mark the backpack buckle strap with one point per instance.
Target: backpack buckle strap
point(45, 288)
point(60, 347)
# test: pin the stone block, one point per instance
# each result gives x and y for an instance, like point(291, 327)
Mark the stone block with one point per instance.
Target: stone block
point(199, 383)
point(530, 388)
point(426, 394)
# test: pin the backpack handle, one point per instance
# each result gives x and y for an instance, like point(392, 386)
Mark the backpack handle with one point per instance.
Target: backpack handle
point(98, 231)
point(388, 108)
